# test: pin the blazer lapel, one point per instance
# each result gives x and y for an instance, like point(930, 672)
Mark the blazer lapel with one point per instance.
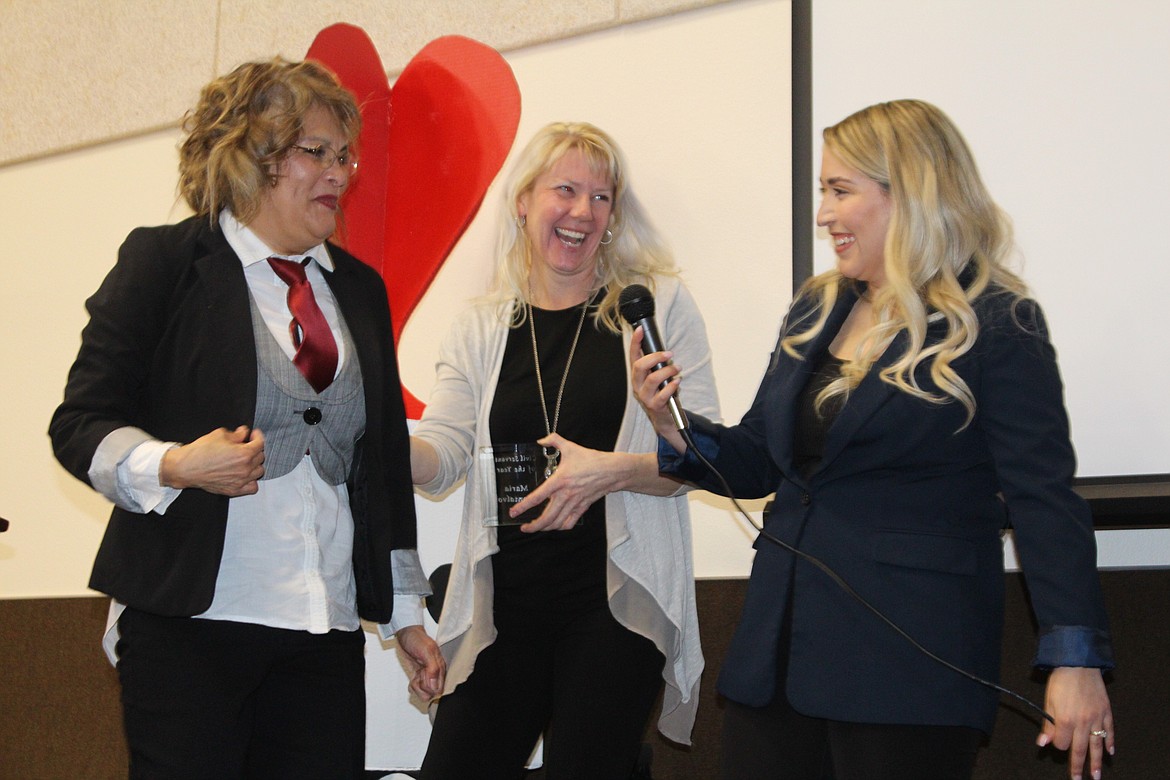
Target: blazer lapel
point(353, 303)
point(792, 376)
point(351, 299)
point(864, 402)
point(872, 393)
point(230, 315)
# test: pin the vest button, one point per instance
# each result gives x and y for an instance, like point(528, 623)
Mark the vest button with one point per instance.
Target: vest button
point(312, 415)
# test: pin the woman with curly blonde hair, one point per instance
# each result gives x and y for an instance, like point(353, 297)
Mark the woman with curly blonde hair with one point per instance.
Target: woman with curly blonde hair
point(913, 408)
point(236, 397)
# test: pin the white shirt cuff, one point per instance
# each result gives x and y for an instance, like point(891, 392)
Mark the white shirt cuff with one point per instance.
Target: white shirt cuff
point(139, 489)
point(408, 611)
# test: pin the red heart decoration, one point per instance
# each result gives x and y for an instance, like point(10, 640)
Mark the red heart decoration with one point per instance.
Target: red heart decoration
point(430, 147)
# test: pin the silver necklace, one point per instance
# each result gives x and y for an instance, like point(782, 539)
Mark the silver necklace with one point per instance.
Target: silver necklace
point(551, 454)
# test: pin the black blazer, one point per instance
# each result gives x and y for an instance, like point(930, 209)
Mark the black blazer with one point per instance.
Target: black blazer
point(169, 348)
point(908, 506)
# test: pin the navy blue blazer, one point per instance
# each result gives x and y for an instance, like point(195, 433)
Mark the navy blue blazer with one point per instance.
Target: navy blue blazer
point(908, 506)
point(169, 348)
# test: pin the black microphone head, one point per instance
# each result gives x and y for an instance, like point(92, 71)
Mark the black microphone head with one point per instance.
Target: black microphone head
point(636, 303)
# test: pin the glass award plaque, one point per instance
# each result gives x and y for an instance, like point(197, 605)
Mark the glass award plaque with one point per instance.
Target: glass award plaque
point(508, 473)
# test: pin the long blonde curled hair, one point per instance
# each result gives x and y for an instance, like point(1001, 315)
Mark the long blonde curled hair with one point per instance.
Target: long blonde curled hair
point(944, 224)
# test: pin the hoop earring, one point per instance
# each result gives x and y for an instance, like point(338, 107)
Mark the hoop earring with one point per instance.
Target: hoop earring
point(608, 235)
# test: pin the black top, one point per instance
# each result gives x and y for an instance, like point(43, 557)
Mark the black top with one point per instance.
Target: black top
point(561, 568)
point(812, 426)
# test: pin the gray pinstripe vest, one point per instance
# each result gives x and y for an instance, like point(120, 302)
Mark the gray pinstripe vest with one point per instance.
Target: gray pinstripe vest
point(296, 419)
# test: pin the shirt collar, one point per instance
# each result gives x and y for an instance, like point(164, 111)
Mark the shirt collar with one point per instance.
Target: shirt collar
point(251, 249)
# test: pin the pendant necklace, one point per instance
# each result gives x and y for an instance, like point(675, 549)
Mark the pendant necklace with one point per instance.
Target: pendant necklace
point(551, 454)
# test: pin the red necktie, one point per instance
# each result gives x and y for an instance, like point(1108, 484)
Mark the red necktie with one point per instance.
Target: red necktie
point(316, 355)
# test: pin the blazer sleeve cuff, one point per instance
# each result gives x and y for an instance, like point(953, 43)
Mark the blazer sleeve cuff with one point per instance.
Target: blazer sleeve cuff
point(703, 437)
point(125, 470)
point(1073, 646)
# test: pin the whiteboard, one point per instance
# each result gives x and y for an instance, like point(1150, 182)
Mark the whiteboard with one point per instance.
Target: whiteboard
point(1061, 102)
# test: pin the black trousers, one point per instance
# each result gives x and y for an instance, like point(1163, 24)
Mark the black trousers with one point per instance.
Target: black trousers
point(778, 743)
point(585, 680)
point(216, 699)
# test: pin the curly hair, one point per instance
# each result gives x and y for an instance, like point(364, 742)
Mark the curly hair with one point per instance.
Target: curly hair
point(244, 124)
point(944, 225)
point(636, 253)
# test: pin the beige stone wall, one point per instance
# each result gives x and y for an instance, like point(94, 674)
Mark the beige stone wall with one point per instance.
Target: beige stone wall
point(80, 72)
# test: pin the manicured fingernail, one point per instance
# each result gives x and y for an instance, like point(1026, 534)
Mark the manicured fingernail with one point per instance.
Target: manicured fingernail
point(1042, 740)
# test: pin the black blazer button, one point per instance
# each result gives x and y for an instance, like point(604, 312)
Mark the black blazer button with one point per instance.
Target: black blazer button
point(312, 415)
point(805, 499)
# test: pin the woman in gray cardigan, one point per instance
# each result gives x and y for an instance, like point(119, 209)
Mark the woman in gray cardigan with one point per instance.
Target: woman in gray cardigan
point(571, 633)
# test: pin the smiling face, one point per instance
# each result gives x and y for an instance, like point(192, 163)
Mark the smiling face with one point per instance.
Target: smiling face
point(856, 211)
point(566, 212)
point(301, 210)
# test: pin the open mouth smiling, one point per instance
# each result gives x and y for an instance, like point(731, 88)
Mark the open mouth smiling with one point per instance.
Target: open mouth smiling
point(570, 237)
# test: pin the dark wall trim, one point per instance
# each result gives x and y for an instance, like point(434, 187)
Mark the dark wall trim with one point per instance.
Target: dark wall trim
point(802, 174)
point(1139, 501)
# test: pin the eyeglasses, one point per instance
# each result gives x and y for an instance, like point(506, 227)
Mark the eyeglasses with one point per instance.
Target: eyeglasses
point(325, 157)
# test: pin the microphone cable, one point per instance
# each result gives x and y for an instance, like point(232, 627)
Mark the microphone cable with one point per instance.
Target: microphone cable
point(845, 586)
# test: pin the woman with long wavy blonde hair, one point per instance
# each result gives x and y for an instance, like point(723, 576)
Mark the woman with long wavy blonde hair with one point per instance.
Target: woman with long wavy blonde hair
point(913, 409)
point(947, 244)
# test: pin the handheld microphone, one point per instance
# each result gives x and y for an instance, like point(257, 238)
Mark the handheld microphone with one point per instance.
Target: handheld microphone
point(636, 305)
